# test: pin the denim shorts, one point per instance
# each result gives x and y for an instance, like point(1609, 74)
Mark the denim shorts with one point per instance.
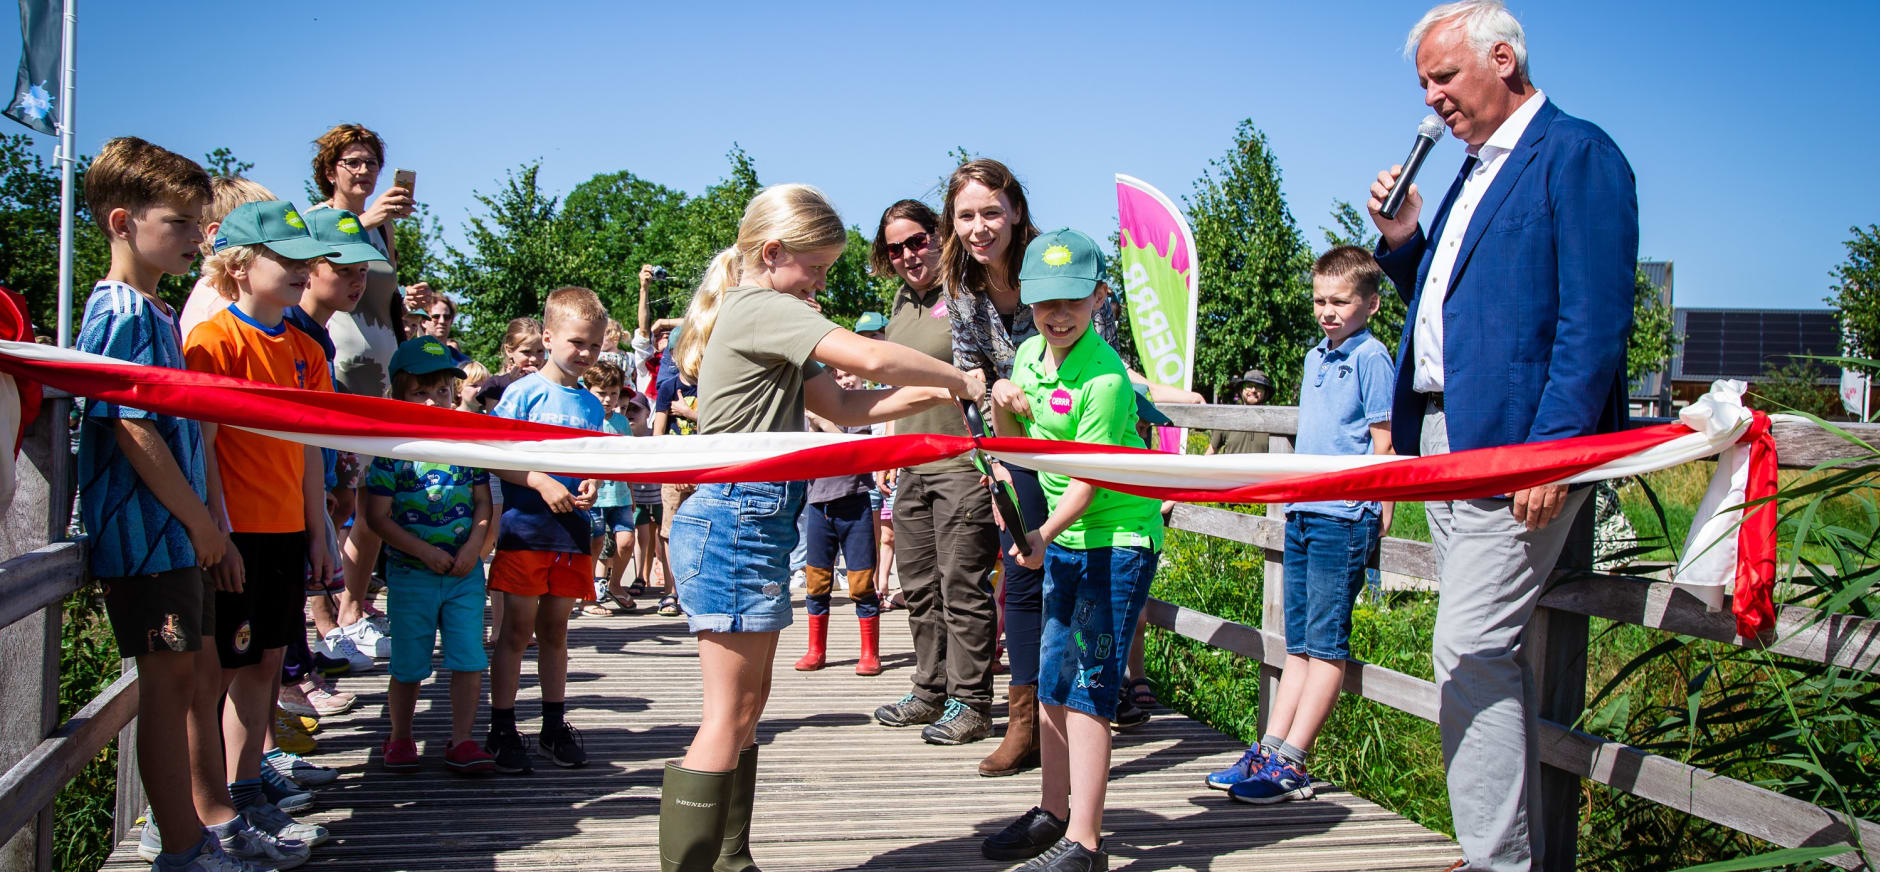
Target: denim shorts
point(616, 519)
point(1092, 599)
point(597, 522)
point(422, 606)
point(1325, 558)
point(730, 552)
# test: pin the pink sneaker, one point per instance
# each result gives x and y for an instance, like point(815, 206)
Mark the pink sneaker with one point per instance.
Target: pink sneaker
point(469, 758)
point(324, 699)
point(399, 755)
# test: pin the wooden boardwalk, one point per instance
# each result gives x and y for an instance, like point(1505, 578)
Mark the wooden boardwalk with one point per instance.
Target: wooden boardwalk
point(836, 791)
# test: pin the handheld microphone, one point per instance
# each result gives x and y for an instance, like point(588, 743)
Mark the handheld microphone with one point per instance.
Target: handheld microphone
point(1427, 133)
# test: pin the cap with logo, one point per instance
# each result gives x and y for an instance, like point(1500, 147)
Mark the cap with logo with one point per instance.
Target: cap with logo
point(1146, 410)
point(341, 229)
point(272, 223)
point(424, 355)
point(1061, 265)
point(871, 322)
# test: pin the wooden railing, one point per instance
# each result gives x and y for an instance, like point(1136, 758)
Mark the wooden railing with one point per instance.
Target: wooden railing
point(40, 754)
point(1556, 648)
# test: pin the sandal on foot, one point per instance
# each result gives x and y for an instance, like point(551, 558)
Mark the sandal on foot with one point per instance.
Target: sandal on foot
point(1142, 693)
point(637, 588)
point(596, 609)
point(669, 606)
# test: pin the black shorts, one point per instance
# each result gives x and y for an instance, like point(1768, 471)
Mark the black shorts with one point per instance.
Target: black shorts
point(272, 605)
point(163, 611)
point(648, 513)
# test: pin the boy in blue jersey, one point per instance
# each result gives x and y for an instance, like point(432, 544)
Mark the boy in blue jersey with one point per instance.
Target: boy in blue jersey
point(543, 565)
point(150, 500)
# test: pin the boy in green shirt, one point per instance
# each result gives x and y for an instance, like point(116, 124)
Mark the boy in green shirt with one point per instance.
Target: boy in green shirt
point(1101, 557)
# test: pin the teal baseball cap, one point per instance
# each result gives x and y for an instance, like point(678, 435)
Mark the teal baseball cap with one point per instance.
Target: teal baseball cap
point(272, 223)
point(1147, 411)
point(871, 322)
point(341, 229)
point(1061, 265)
point(423, 356)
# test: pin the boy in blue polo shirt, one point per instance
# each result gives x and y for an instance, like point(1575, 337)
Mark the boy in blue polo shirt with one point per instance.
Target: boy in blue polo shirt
point(1344, 409)
point(1102, 553)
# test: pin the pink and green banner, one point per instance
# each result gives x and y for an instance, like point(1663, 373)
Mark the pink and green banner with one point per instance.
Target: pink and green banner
point(1161, 287)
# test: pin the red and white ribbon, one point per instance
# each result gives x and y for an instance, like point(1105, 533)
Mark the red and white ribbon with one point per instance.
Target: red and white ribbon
point(387, 428)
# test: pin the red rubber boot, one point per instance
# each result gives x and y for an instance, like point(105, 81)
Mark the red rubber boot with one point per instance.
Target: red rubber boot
point(818, 641)
point(870, 662)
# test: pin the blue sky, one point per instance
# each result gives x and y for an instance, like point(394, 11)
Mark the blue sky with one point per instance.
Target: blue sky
point(1746, 127)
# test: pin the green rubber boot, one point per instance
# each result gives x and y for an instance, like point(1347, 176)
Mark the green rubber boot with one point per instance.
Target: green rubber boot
point(692, 818)
point(735, 853)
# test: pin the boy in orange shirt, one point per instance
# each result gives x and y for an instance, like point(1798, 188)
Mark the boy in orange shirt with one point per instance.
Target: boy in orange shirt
point(273, 490)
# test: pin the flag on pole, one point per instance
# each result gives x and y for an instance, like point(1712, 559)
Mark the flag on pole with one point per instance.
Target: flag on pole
point(1161, 287)
point(38, 84)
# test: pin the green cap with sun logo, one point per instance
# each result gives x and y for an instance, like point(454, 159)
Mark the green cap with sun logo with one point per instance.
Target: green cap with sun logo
point(424, 355)
point(1061, 265)
point(341, 230)
point(275, 224)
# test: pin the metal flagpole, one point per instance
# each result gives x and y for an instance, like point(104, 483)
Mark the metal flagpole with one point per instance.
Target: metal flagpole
point(68, 160)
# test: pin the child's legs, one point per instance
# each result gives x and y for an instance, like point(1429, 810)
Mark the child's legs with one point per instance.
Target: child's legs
point(1333, 583)
point(645, 537)
point(1302, 528)
point(820, 538)
point(357, 559)
point(857, 533)
point(1089, 753)
point(736, 669)
point(551, 647)
point(165, 693)
point(247, 719)
point(413, 599)
point(512, 639)
point(1138, 669)
point(884, 549)
point(466, 688)
point(624, 548)
point(208, 773)
point(1054, 762)
point(401, 703)
point(460, 625)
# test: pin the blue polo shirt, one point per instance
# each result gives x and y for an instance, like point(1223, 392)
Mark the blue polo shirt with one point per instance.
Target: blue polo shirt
point(1344, 391)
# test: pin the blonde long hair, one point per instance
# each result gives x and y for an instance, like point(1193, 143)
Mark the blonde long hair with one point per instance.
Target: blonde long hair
point(796, 216)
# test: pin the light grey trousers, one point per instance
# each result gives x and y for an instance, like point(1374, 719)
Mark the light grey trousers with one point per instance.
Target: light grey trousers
point(1490, 570)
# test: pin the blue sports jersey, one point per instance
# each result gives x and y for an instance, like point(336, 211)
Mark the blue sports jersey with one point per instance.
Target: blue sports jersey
point(131, 532)
point(528, 525)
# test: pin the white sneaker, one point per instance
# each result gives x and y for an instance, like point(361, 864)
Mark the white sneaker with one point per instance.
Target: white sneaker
point(799, 581)
point(342, 648)
point(369, 639)
point(382, 623)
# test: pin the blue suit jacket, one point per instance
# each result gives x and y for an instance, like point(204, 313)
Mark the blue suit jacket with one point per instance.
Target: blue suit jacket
point(1539, 304)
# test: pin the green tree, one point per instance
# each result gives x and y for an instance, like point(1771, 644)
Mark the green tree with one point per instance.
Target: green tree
point(1254, 270)
point(850, 289)
point(29, 236)
point(710, 225)
point(1352, 227)
point(1857, 295)
point(1792, 385)
point(223, 162)
point(417, 239)
point(628, 221)
point(517, 251)
point(1653, 340)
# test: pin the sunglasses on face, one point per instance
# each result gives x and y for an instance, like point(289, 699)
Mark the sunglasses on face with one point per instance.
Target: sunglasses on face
point(913, 244)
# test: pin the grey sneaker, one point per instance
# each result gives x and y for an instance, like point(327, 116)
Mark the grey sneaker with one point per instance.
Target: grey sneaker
point(216, 860)
point(149, 842)
point(910, 710)
point(960, 724)
point(269, 819)
point(251, 845)
point(1068, 856)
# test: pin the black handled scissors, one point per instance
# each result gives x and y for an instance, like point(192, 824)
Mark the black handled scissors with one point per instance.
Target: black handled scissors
point(1004, 498)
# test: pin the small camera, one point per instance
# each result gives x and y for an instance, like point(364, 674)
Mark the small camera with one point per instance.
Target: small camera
point(660, 274)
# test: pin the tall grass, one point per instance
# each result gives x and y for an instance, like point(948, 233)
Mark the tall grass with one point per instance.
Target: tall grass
point(88, 663)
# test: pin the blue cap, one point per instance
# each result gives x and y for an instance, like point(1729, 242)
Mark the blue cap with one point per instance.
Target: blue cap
point(871, 322)
point(423, 356)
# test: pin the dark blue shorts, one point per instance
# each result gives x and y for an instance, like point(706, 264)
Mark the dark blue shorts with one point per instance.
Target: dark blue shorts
point(1325, 558)
point(1092, 599)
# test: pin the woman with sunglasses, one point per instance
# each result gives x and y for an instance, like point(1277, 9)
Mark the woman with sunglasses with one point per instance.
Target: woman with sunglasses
point(945, 541)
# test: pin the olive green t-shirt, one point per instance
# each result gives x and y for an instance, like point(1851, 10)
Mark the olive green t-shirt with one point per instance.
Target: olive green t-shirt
point(1088, 399)
point(920, 322)
point(751, 377)
point(1238, 442)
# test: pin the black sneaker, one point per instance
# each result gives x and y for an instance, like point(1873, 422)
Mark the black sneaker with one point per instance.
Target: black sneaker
point(510, 752)
point(1032, 834)
point(960, 724)
point(910, 710)
point(330, 665)
point(1068, 856)
point(1129, 715)
point(562, 745)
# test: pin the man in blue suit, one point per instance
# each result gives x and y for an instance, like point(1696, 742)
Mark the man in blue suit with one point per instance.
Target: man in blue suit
point(1520, 302)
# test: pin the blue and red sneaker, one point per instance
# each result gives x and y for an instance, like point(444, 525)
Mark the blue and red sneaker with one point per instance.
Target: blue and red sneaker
point(1279, 780)
point(1243, 769)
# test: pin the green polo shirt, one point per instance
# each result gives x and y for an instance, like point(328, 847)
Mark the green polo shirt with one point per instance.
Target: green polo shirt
point(1088, 399)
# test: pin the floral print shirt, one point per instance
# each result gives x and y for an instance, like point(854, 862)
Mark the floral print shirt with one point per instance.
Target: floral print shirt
point(984, 339)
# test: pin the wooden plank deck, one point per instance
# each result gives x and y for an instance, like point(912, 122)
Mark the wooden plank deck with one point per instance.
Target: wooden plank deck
point(835, 792)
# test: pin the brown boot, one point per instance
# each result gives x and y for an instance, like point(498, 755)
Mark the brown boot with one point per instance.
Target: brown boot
point(1019, 750)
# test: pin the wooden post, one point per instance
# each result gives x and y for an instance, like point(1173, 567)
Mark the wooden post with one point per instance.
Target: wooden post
point(1556, 651)
point(29, 685)
point(1272, 595)
point(130, 779)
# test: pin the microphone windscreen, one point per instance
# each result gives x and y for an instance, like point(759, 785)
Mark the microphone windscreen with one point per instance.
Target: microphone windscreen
point(1431, 127)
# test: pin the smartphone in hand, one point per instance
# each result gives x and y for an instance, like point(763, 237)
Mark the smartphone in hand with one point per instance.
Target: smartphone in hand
point(407, 179)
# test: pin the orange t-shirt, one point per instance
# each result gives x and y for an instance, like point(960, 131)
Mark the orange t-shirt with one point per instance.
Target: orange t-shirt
point(261, 476)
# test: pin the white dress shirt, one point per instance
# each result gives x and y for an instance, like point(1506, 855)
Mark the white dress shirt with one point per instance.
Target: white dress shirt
point(1427, 377)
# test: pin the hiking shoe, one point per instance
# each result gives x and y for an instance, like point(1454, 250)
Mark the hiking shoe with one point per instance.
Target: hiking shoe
point(1032, 834)
point(250, 845)
point(269, 819)
point(399, 755)
point(1278, 781)
point(1250, 762)
point(510, 753)
point(562, 745)
point(1068, 856)
point(297, 769)
point(284, 794)
point(343, 647)
point(1129, 715)
point(469, 758)
point(959, 724)
point(907, 712)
